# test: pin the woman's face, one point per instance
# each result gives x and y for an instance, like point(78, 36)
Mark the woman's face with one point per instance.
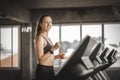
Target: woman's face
point(46, 24)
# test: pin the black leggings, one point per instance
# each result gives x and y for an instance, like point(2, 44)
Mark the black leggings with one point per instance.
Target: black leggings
point(44, 72)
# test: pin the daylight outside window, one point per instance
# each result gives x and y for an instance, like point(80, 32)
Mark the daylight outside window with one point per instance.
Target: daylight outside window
point(112, 39)
point(93, 30)
point(9, 47)
point(70, 37)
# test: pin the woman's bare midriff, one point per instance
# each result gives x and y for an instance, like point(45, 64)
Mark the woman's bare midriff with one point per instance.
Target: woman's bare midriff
point(47, 62)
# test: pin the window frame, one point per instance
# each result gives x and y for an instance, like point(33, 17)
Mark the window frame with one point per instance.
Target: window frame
point(19, 47)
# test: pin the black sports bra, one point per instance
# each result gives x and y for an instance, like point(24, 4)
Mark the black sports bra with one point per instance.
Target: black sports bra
point(48, 46)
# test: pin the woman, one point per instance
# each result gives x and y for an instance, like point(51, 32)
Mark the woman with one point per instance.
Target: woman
point(45, 49)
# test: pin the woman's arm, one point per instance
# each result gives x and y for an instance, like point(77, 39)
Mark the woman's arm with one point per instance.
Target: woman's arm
point(40, 43)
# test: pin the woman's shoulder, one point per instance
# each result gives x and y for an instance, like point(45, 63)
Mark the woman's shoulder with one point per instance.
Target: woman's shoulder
point(39, 38)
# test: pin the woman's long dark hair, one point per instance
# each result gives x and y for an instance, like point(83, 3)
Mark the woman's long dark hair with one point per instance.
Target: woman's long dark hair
point(38, 27)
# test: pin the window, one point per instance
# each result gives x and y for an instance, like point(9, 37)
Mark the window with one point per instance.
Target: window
point(70, 37)
point(111, 36)
point(112, 39)
point(71, 34)
point(94, 30)
point(9, 46)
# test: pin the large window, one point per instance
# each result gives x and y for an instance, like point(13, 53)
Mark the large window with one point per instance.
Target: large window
point(94, 30)
point(71, 34)
point(9, 46)
point(70, 37)
point(112, 39)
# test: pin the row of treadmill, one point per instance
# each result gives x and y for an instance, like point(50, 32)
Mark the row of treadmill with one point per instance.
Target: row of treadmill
point(88, 62)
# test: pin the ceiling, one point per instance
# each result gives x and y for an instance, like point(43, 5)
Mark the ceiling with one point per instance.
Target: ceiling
point(38, 4)
point(15, 8)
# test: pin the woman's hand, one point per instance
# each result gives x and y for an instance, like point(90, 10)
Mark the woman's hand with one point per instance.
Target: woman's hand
point(56, 46)
point(60, 56)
